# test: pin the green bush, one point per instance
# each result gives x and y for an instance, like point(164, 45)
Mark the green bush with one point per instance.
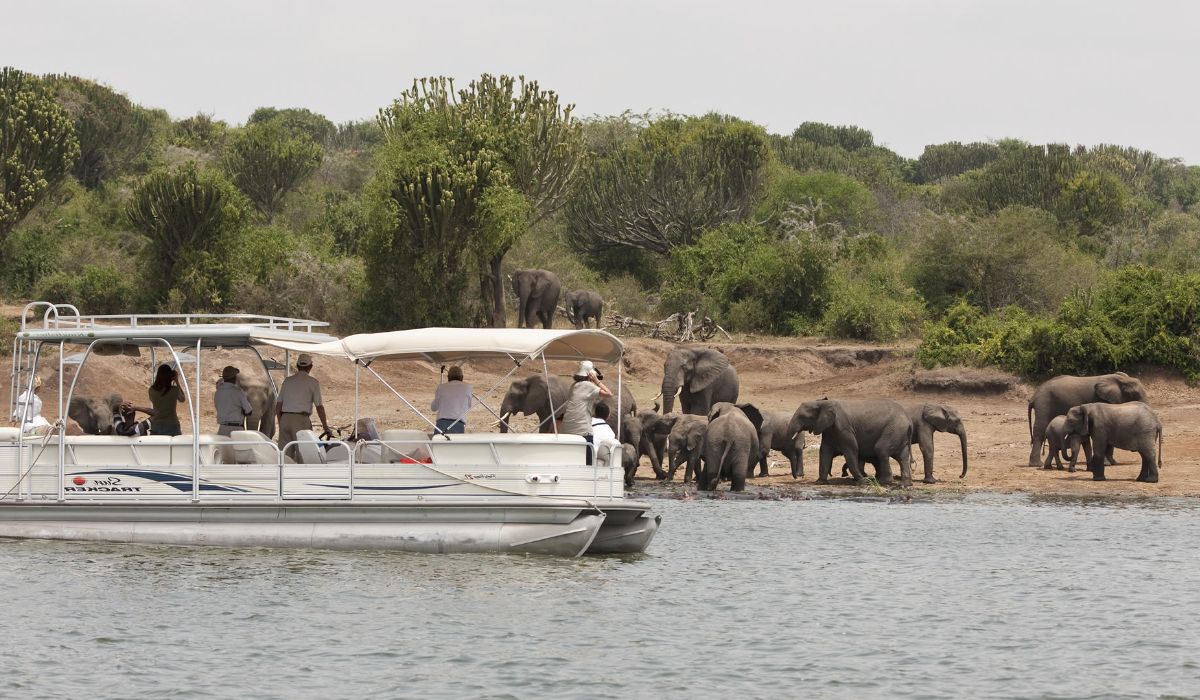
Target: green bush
point(1136, 315)
point(740, 274)
point(8, 329)
point(97, 289)
point(820, 202)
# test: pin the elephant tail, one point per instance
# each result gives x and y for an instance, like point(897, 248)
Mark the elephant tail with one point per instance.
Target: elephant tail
point(1030, 416)
point(1158, 434)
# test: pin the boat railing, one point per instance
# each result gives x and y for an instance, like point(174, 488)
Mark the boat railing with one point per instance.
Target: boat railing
point(232, 469)
point(65, 316)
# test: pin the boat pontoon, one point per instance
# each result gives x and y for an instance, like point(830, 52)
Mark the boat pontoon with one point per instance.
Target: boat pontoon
point(404, 489)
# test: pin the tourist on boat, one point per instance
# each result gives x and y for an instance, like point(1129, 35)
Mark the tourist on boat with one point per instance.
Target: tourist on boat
point(581, 403)
point(165, 397)
point(297, 396)
point(29, 408)
point(231, 403)
point(452, 400)
point(125, 420)
point(601, 430)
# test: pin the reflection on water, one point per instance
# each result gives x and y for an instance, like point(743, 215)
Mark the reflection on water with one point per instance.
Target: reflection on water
point(987, 596)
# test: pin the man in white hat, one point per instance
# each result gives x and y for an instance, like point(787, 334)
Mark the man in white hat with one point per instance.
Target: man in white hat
point(297, 396)
point(581, 403)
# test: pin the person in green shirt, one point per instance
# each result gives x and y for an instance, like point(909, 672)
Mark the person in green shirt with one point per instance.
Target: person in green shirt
point(165, 397)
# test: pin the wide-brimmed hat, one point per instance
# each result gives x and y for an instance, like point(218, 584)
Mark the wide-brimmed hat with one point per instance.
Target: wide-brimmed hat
point(229, 374)
point(304, 360)
point(37, 382)
point(585, 368)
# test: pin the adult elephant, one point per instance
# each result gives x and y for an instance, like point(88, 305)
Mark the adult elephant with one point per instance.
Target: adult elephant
point(730, 444)
point(701, 377)
point(774, 435)
point(537, 297)
point(928, 418)
point(647, 432)
point(529, 396)
point(262, 405)
point(869, 430)
point(583, 306)
point(1128, 426)
point(1062, 393)
point(685, 444)
point(94, 416)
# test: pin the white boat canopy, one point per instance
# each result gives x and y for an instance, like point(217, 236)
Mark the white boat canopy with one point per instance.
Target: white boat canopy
point(443, 345)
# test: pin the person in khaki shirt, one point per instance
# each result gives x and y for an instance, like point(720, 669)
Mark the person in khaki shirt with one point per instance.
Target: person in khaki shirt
point(297, 396)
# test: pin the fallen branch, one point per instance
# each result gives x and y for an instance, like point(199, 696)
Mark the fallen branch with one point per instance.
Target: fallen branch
point(678, 327)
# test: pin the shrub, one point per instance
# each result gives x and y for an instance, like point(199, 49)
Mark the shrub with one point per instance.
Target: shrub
point(1136, 315)
point(818, 202)
point(97, 289)
point(777, 286)
point(8, 329)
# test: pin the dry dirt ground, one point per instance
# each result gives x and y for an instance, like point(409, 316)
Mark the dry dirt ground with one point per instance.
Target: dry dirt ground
point(775, 374)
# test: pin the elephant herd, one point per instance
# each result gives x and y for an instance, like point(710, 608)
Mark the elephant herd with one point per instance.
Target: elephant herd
point(537, 293)
point(715, 437)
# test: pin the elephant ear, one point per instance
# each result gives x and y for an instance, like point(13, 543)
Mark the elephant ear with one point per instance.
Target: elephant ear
point(709, 365)
point(755, 415)
point(536, 396)
point(826, 417)
point(1081, 416)
point(1108, 391)
point(695, 436)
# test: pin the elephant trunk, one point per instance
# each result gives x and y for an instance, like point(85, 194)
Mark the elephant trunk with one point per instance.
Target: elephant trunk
point(962, 438)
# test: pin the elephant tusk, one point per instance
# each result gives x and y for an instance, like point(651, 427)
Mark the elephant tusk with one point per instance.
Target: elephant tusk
point(656, 397)
point(679, 391)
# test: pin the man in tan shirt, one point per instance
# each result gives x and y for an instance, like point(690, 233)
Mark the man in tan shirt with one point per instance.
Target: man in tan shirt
point(297, 396)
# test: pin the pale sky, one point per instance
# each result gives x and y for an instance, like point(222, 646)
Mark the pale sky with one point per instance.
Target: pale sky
point(914, 72)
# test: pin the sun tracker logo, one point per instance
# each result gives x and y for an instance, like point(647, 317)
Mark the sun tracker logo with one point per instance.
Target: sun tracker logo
point(107, 485)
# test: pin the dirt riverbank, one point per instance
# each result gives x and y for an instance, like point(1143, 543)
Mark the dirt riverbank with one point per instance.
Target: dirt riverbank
point(775, 374)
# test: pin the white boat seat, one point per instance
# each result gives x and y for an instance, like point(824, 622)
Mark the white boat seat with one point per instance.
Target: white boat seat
point(252, 447)
point(308, 448)
point(406, 442)
point(604, 449)
point(8, 434)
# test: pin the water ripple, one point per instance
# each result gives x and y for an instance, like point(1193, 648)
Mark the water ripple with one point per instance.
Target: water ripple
point(990, 597)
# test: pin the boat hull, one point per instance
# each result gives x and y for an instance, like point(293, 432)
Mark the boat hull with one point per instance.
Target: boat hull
point(457, 527)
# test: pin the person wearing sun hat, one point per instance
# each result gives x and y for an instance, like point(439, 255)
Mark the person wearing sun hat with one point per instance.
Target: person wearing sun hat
point(29, 408)
point(581, 403)
point(231, 403)
point(297, 396)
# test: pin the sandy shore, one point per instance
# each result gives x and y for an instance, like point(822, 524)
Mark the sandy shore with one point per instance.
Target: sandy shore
point(775, 374)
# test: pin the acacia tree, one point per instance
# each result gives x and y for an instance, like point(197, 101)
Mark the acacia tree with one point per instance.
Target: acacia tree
point(297, 120)
point(37, 145)
point(268, 160)
point(681, 177)
point(526, 133)
point(184, 213)
point(113, 132)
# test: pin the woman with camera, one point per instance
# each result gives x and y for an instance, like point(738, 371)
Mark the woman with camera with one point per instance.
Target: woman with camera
point(165, 397)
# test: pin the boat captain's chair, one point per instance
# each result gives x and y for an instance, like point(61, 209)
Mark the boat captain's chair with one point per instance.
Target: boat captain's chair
point(310, 451)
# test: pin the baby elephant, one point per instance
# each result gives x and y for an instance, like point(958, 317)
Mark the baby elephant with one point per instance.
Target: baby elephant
point(1060, 443)
point(1128, 426)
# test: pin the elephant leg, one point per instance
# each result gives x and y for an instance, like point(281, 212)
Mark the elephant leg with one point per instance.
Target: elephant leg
point(1099, 449)
point(826, 464)
point(926, 444)
point(1087, 453)
point(883, 465)
point(1108, 456)
point(1050, 455)
point(1149, 473)
point(1039, 436)
point(905, 460)
point(737, 471)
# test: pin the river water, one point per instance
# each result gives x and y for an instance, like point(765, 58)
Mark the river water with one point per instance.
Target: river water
point(982, 597)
